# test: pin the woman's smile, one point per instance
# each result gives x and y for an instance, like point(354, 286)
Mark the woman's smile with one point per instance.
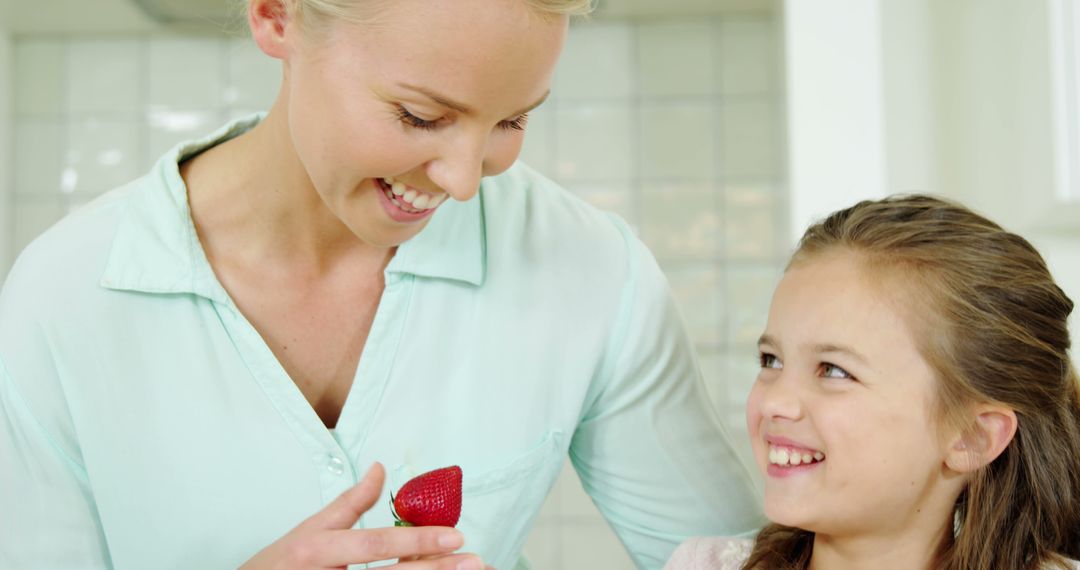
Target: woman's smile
point(409, 198)
point(405, 204)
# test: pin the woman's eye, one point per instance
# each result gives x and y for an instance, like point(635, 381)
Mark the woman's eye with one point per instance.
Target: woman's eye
point(770, 361)
point(412, 120)
point(834, 371)
point(515, 124)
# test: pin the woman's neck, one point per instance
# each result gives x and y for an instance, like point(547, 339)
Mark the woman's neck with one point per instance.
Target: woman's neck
point(251, 194)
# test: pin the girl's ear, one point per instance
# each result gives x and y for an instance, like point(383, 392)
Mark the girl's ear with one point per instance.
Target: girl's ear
point(268, 20)
point(992, 431)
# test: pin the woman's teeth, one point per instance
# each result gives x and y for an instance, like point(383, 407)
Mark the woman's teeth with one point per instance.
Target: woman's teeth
point(410, 199)
point(784, 456)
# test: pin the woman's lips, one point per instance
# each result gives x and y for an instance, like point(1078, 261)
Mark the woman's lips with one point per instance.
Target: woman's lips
point(395, 209)
point(410, 199)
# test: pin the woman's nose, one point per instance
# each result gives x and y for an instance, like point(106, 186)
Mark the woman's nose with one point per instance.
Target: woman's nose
point(459, 167)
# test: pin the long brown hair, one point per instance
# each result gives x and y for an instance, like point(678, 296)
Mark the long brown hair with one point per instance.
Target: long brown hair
point(992, 323)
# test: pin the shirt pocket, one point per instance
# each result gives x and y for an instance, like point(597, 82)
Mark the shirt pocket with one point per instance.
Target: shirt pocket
point(499, 505)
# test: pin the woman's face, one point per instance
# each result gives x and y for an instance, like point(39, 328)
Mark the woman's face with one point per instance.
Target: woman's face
point(393, 118)
point(840, 417)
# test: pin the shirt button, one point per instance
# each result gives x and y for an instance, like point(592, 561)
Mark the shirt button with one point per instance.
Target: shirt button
point(335, 466)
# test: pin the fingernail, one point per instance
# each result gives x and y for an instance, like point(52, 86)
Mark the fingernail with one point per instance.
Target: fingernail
point(371, 470)
point(450, 540)
point(471, 564)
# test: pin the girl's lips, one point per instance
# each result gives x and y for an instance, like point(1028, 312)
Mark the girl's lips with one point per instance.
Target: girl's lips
point(786, 442)
point(790, 470)
point(788, 457)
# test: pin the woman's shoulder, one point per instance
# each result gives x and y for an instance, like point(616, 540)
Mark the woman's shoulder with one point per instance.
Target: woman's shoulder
point(61, 268)
point(711, 553)
point(522, 196)
point(531, 216)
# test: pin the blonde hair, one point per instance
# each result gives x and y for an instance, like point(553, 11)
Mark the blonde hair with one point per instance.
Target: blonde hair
point(992, 324)
point(315, 13)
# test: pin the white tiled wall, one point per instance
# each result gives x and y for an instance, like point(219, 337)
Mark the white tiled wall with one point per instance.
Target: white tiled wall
point(673, 124)
point(94, 112)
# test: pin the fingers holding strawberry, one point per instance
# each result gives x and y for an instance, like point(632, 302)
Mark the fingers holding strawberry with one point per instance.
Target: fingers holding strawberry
point(327, 540)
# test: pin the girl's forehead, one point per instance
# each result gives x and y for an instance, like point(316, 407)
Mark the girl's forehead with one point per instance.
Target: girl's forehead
point(835, 301)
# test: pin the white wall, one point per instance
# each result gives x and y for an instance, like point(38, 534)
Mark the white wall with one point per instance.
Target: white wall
point(994, 94)
point(836, 137)
point(993, 91)
point(912, 150)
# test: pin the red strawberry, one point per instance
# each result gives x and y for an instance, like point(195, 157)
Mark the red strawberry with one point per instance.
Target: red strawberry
point(431, 499)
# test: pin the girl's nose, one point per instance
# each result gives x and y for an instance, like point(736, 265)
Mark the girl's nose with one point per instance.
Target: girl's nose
point(779, 398)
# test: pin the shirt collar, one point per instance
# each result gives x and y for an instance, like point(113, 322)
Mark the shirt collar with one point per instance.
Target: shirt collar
point(452, 246)
point(156, 248)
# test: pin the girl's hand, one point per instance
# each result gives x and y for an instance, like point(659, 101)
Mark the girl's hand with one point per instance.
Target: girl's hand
point(327, 539)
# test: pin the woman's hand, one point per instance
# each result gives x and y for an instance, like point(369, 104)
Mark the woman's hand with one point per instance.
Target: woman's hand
point(327, 539)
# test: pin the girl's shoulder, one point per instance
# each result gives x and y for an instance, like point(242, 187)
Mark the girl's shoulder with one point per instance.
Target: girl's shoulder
point(711, 553)
point(1069, 563)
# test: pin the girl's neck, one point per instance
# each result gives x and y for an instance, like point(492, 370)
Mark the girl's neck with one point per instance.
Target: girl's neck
point(912, 549)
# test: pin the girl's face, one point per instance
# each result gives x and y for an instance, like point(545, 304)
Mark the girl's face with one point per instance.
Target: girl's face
point(391, 119)
point(840, 416)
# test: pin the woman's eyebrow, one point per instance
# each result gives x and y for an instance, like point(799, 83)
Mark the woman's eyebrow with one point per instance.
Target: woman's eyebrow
point(461, 107)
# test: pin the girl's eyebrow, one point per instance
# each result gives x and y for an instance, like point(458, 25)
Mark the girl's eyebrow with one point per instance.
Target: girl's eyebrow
point(841, 349)
point(461, 107)
point(822, 348)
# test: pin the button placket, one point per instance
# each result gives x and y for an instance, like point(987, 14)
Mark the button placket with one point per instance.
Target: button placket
point(335, 465)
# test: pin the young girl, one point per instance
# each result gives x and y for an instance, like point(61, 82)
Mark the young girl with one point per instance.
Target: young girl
point(916, 406)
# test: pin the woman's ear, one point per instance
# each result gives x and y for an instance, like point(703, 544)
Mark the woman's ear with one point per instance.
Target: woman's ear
point(991, 432)
point(268, 20)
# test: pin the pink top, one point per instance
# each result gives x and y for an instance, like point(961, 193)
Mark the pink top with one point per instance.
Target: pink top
point(711, 553)
point(717, 553)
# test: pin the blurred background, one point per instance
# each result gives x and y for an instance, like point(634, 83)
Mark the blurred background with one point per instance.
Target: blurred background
point(718, 128)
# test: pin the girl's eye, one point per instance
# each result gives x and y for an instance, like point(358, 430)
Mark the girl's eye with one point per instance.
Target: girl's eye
point(515, 124)
point(770, 361)
point(833, 371)
point(412, 120)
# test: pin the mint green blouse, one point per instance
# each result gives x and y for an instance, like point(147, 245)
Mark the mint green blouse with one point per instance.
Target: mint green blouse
point(144, 423)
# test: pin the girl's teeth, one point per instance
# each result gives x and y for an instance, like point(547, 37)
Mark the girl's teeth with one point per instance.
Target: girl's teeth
point(389, 180)
point(410, 195)
point(398, 188)
point(421, 202)
point(784, 457)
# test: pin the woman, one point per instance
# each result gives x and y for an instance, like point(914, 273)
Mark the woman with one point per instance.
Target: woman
point(199, 361)
point(916, 406)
